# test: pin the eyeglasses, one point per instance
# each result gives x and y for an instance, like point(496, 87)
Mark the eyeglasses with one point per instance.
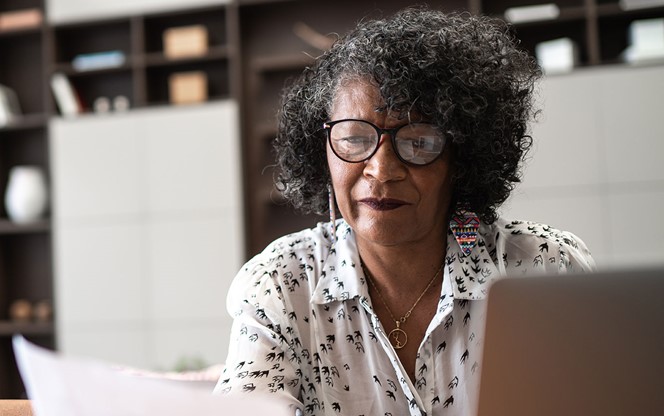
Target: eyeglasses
point(358, 140)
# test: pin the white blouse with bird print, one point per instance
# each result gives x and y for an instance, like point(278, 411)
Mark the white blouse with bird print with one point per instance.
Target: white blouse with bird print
point(305, 332)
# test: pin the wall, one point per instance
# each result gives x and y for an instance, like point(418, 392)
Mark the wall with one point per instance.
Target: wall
point(597, 167)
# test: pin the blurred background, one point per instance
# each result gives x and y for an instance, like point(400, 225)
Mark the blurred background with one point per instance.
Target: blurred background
point(135, 158)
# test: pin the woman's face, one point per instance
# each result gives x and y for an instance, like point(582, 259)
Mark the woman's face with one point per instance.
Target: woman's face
point(384, 200)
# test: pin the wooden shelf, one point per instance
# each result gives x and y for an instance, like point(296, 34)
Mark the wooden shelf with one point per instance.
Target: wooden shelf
point(9, 328)
point(27, 122)
point(614, 9)
point(8, 227)
point(279, 62)
point(32, 30)
point(215, 53)
point(68, 69)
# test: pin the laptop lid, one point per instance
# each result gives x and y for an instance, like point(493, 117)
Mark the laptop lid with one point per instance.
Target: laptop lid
point(584, 345)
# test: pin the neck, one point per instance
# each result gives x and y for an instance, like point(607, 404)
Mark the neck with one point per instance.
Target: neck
point(398, 269)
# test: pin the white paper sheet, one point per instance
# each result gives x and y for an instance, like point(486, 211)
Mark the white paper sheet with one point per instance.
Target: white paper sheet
point(68, 386)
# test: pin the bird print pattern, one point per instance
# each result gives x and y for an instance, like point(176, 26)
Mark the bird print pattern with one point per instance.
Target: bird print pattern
point(305, 331)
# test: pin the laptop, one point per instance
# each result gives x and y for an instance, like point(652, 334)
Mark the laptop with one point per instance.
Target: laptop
point(575, 345)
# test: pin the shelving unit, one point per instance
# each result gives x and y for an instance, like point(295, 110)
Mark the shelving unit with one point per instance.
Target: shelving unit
point(29, 57)
point(25, 250)
point(143, 77)
point(255, 47)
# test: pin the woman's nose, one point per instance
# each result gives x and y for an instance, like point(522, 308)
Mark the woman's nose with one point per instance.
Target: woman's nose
point(384, 165)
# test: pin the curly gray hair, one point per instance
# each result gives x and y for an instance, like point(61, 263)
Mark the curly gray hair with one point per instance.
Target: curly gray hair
point(462, 72)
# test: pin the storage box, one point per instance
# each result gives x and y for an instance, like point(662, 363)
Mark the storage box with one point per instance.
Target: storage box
point(187, 87)
point(20, 19)
point(185, 41)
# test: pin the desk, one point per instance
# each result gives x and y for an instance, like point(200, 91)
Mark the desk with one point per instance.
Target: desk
point(15, 408)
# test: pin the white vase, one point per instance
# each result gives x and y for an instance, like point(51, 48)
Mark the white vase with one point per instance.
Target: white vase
point(26, 198)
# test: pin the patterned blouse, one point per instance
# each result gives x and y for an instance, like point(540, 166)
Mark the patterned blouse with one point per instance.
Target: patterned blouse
point(305, 332)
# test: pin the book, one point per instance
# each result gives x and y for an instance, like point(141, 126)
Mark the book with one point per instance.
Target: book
point(98, 60)
point(66, 98)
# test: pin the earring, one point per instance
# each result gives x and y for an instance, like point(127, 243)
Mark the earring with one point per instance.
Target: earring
point(464, 225)
point(333, 212)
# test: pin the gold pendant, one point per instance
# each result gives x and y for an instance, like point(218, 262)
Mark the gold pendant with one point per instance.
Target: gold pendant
point(398, 337)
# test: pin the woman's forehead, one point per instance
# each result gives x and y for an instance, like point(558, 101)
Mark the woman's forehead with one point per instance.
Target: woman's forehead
point(360, 98)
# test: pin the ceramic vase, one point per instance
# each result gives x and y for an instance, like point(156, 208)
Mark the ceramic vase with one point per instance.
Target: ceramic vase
point(26, 198)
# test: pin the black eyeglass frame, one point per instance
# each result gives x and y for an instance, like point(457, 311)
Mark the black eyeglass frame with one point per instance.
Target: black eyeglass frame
point(327, 126)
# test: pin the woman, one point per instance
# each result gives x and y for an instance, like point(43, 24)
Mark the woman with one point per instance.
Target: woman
point(414, 128)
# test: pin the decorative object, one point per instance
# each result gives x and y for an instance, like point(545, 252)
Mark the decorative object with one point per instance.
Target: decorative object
point(121, 103)
point(98, 60)
point(20, 310)
point(185, 41)
point(399, 337)
point(26, 198)
point(557, 56)
point(646, 41)
point(187, 87)
point(68, 102)
point(101, 105)
point(20, 19)
point(9, 107)
point(42, 311)
point(535, 13)
point(639, 4)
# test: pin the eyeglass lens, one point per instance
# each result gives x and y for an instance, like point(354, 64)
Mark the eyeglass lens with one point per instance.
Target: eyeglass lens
point(356, 141)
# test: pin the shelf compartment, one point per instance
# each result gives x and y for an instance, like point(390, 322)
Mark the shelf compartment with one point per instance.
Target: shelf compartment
point(530, 35)
point(216, 53)
point(22, 63)
point(91, 37)
point(498, 8)
point(109, 83)
point(217, 79)
point(214, 20)
point(25, 264)
point(9, 328)
point(26, 122)
point(8, 227)
point(614, 26)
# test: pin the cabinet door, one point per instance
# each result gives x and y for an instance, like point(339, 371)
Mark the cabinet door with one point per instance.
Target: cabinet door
point(148, 232)
point(96, 167)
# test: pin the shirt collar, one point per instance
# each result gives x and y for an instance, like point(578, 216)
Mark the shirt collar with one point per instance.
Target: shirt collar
point(341, 277)
point(470, 274)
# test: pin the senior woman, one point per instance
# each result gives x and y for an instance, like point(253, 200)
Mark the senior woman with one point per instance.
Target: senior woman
point(412, 129)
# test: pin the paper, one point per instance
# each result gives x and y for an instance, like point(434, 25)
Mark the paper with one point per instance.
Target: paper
point(65, 386)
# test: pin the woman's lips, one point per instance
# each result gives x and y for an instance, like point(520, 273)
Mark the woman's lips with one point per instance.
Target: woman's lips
point(385, 204)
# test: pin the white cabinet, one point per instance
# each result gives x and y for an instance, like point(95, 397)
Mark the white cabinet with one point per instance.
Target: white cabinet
point(148, 233)
point(597, 166)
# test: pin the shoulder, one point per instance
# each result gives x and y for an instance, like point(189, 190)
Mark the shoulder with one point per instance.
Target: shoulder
point(530, 241)
point(288, 266)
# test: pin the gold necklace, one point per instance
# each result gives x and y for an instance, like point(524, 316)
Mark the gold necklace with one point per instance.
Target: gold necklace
point(398, 337)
